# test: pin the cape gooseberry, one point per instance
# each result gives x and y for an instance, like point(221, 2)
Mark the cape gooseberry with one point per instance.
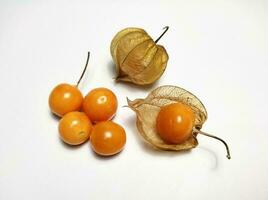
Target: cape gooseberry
point(137, 57)
point(100, 104)
point(65, 98)
point(107, 138)
point(75, 128)
point(175, 123)
point(170, 118)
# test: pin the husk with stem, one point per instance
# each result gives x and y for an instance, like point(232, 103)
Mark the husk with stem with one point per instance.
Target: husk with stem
point(147, 110)
point(138, 59)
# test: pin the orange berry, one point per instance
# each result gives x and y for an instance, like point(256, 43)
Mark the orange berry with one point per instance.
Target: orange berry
point(107, 138)
point(75, 128)
point(175, 123)
point(100, 104)
point(65, 98)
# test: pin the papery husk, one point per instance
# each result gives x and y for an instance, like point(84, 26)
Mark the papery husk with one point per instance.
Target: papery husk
point(147, 110)
point(137, 57)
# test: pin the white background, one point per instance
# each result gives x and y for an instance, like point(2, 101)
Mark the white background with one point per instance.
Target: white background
point(218, 51)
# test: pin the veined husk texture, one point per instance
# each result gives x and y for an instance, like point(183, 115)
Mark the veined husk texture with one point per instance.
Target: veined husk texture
point(137, 57)
point(147, 110)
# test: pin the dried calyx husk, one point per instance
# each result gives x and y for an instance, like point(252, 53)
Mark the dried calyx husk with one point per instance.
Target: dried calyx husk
point(138, 58)
point(147, 110)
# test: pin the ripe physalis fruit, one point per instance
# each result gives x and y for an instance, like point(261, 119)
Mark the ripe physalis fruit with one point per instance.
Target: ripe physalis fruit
point(100, 104)
point(175, 122)
point(170, 118)
point(65, 98)
point(107, 138)
point(75, 128)
point(138, 58)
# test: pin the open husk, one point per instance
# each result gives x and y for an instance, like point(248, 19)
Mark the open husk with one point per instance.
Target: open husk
point(138, 59)
point(147, 110)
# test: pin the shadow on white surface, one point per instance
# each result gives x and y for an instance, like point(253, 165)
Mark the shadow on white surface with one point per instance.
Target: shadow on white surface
point(71, 147)
point(111, 69)
point(53, 116)
point(104, 158)
point(214, 160)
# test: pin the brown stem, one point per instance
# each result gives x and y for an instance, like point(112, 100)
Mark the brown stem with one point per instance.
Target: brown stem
point(85, 68)
point(166, 29)
point(217, 138)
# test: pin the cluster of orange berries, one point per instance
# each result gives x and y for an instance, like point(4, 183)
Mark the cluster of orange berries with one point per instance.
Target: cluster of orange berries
point(88, 118)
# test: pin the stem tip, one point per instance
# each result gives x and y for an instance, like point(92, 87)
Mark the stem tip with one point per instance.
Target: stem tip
point(165, 30)
point(85, 68)
point(217, 138)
